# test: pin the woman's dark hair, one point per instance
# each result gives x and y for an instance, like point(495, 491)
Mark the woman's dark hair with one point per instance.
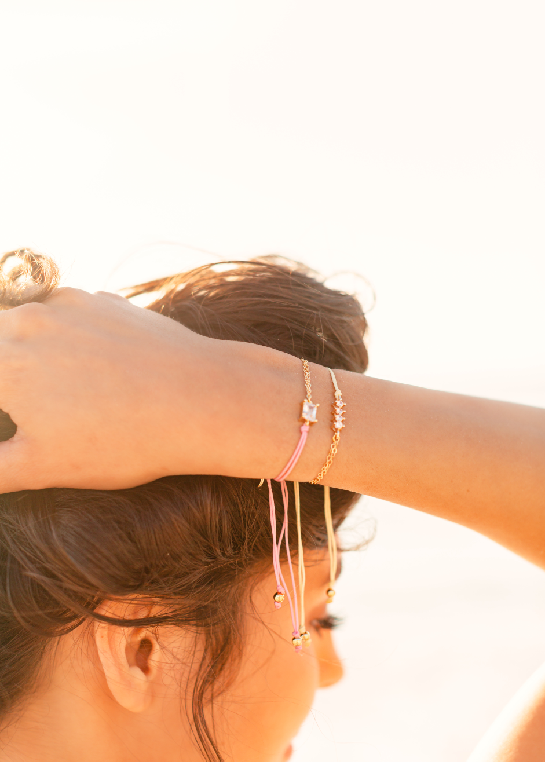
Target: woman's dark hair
point(192, 543)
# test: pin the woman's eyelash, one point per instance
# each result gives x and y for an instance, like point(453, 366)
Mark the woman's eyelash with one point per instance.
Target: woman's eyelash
point(329, 622)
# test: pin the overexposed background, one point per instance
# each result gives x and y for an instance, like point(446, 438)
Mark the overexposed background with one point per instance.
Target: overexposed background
point(400, 140)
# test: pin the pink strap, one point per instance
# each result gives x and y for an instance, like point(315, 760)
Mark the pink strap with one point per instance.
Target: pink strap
point(290, 465)
point(276, 546)
point(294, 606)
point(280, 581)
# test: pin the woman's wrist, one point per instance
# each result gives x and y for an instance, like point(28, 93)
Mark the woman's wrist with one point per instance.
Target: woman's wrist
point(247, 403)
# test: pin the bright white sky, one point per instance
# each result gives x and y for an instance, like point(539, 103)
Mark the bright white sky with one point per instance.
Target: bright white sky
point(401, 140)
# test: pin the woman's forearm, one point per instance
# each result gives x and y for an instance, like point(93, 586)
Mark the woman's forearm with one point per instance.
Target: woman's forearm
point(106, 395)
point(477, 462)
point(473, 461)
point(518, 734)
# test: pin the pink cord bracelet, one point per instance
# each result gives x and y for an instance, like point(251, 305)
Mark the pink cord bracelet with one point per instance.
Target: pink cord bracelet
point(308, 417)
point(290, 465)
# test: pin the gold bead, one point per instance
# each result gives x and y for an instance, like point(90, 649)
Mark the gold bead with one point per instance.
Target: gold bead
point(279, 597)
point(297, 642)
point(306, 637)
point(330, 593)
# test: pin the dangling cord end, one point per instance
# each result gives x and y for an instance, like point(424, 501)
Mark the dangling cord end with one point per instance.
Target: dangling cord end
point(304, 634)
point(279, 596)
point(331, 544)
point(294, 607)
point(298, 637)
point(297, 641)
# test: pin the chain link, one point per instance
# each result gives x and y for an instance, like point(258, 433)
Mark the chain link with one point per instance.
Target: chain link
point(306, 373)
point(338, 405)
point(329, 460)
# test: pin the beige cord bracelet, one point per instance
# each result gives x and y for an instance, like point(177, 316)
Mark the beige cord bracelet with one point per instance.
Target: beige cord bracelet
point(338, 424)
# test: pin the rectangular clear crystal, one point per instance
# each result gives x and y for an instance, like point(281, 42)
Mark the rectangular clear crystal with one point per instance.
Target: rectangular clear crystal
point(309, 412)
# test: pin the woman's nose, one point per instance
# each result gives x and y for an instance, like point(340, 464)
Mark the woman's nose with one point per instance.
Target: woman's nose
point(331, 669)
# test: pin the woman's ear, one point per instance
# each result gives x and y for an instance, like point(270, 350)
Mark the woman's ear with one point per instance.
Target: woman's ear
point(128, 656)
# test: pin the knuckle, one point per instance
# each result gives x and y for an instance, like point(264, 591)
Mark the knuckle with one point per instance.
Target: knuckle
point(24, 321)
point(110, 295)
point(28, 317)
point(16, 364)
point(69, 296)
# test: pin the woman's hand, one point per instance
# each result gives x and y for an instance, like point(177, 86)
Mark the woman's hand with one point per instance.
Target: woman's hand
point(108, 395)
point(96, 388)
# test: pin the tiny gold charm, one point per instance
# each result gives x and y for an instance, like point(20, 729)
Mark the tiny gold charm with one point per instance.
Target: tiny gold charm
point(279, 597)
point(305, 636)
point(297, 642)
point(330, 593)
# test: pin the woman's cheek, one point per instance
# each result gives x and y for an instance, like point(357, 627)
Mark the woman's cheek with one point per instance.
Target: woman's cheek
point(282, 696)
point(273, 691)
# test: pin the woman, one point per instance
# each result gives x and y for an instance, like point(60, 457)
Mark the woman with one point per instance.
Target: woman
point(140, 623)
point(107, 396)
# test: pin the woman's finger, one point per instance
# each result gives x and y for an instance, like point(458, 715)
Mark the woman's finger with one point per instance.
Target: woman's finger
point(110, 295)
point(69, 297)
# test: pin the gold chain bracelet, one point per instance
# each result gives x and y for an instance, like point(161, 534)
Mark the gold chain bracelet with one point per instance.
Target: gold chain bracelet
point(338, 424)
point(309, 409)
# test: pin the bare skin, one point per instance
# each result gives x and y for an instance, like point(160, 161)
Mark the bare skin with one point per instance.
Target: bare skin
point(108, 395)
point(519, 732)
point(120, 695)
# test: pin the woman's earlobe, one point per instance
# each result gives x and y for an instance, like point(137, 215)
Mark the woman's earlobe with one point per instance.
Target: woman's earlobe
point(126, 655)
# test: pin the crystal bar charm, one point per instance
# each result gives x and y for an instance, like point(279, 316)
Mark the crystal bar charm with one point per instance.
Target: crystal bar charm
point(309, 412)
point(337, 422)
point(338, 413)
